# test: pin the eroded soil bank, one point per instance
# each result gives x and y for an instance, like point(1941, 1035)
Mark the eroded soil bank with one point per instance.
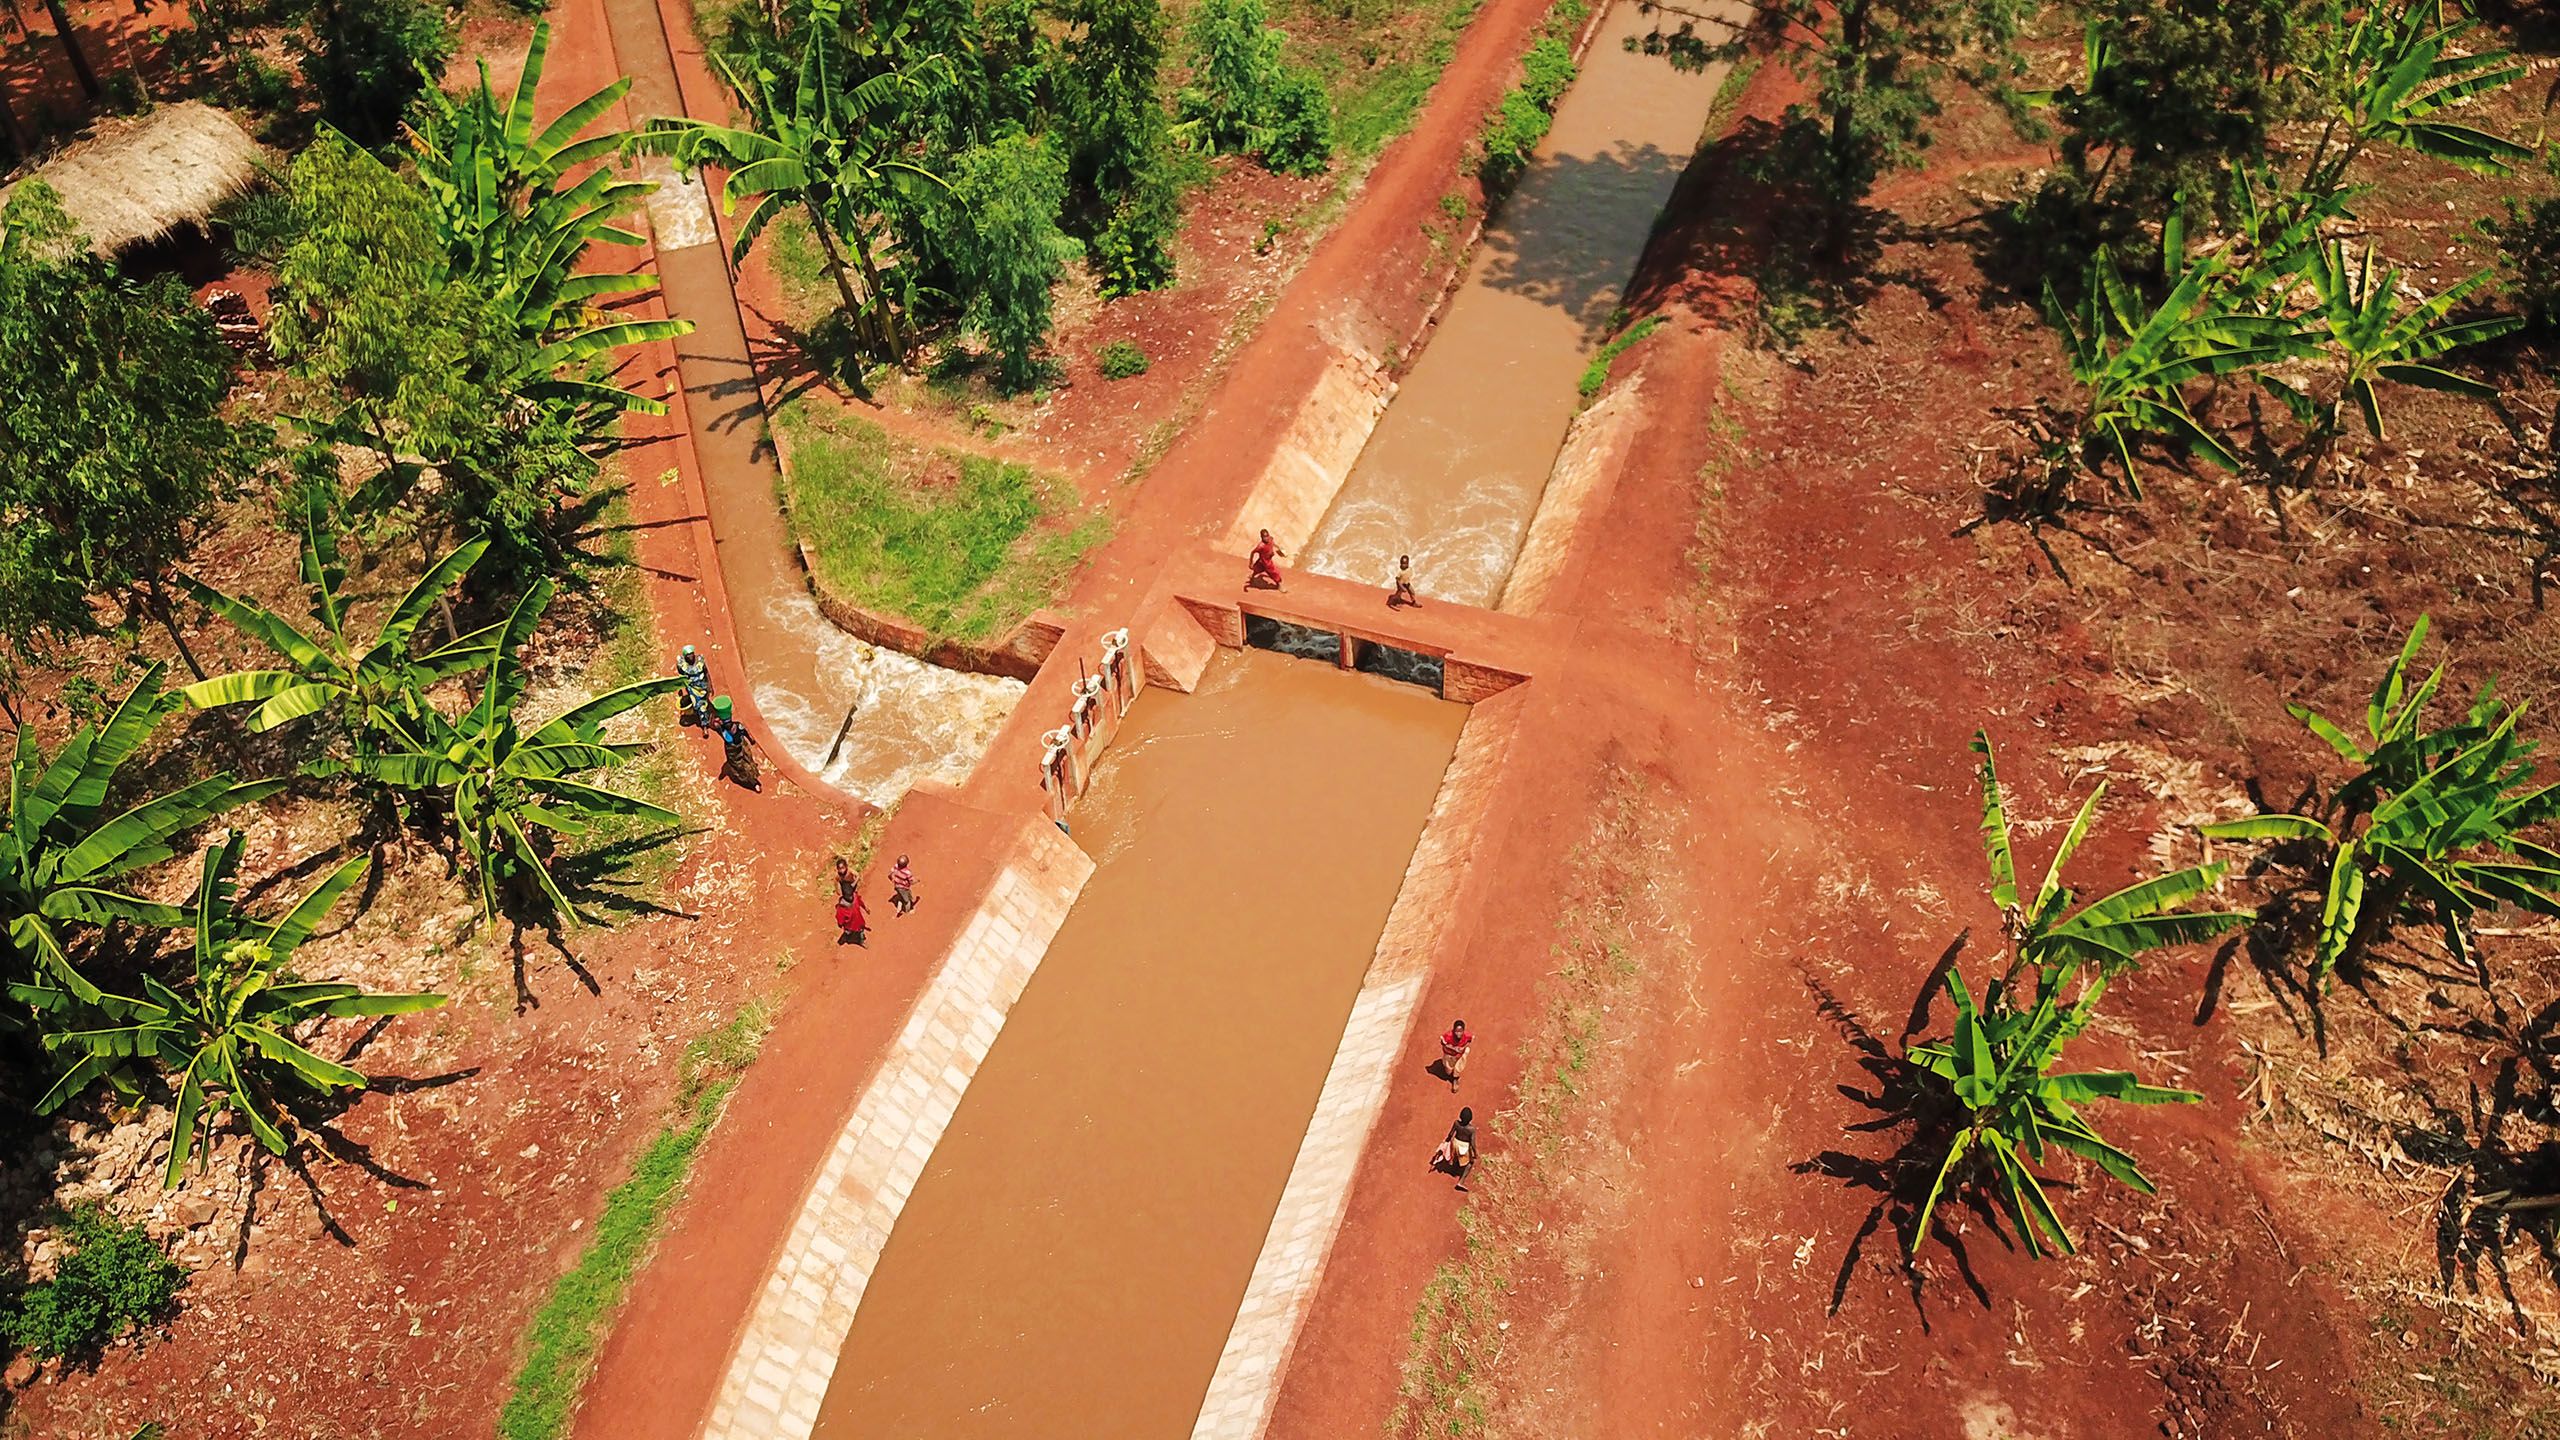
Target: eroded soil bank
point(1072, 1259)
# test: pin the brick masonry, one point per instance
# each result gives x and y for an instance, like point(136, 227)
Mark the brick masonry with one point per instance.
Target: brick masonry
point(786, 1350)
point(1316, 454)
point(1312, 1205)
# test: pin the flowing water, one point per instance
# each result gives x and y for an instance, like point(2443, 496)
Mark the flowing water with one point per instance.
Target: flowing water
point(910, 720)
point(1075, 1251)
point(1457, 465)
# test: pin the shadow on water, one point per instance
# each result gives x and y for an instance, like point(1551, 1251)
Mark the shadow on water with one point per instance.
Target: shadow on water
point(1569, 234)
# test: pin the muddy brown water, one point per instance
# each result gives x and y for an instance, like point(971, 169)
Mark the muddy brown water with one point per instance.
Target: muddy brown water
point(1457, 465)
point(1073, 1256)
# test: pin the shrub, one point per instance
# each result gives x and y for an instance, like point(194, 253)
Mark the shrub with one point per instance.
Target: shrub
point(112, 1278)
point(2529, 242)
point(1121, 359)
point(1134, 251)
point(1510, 136)
point(1547, 71)
point(1298, 137)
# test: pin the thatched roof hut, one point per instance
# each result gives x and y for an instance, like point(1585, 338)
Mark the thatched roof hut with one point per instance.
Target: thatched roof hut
point(128, 181)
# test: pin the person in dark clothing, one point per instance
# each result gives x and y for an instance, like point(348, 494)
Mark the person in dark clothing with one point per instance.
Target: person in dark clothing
point(741, 756)
point(1457, 1153)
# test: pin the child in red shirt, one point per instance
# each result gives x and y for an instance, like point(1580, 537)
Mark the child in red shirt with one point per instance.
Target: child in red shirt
point(1453, 1051)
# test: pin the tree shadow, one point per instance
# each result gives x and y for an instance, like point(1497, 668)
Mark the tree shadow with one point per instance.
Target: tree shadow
point(1901, 1103)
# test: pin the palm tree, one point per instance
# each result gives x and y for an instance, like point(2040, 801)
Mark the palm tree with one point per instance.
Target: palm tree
point(509, 224)
point(2434, 819)
point(823, 145)
point(2361, 320)
point(378, 683)
point(61, 849)
point(508, 784)
point(2390, 77)
point(224, 1041)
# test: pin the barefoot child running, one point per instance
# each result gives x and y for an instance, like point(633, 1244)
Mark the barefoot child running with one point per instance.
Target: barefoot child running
point(1453, 1051)
point(902, 886)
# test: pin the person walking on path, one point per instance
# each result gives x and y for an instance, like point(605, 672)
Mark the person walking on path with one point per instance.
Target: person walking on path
point(693, 702)
point(1457, 1153)
point(1265, 559)
point(1402, 595)
point(902, 887)
point(1453, 1051)
point(740, 753)
point(852, 924)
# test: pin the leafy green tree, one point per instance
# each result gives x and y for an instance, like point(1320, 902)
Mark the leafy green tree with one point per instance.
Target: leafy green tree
point(2391, 75)
point(1996, 1067)
point(377, 683)
point(510, 785)
point(62, 850)
point(114, 432)
point(1244, 98)
point(1878, 69)
point(225, 1040)
point(2432, 826)
point(1010, 251)
point(2361, 320)
point(1120, 139)
point(2177, 96)
point(367, 307)
point(829, 147)
point(368, 59)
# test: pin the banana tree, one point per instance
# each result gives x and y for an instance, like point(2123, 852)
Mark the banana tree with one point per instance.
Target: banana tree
point(2393, 76)
point(2359, 318)
point(2433, 822)
point(62, 851)
point(1997, 1068)
point(830, 148)
point(225, 1039)
point(511, 224)
point(2047, 936)
point(377, 683)
point(509, 785)
point(2134, 360)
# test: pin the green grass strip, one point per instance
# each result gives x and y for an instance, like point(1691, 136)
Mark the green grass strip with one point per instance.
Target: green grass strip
point(561, 1343)
point(1596, 374)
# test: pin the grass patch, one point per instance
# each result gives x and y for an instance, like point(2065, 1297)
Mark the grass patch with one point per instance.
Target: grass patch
point(1522, 1201)
point(1595, 376)
point(1378, 62)
point(961, 544)
point(561, 1342)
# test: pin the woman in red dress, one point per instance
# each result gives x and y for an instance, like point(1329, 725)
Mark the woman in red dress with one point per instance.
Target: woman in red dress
point(850, 919)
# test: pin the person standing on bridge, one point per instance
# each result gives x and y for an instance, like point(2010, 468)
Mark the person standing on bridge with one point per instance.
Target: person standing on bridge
point(853, 926)
point(1402, 595)
point(1265, 559)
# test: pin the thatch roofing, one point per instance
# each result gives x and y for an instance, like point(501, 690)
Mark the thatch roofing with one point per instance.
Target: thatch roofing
point(128, 181)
